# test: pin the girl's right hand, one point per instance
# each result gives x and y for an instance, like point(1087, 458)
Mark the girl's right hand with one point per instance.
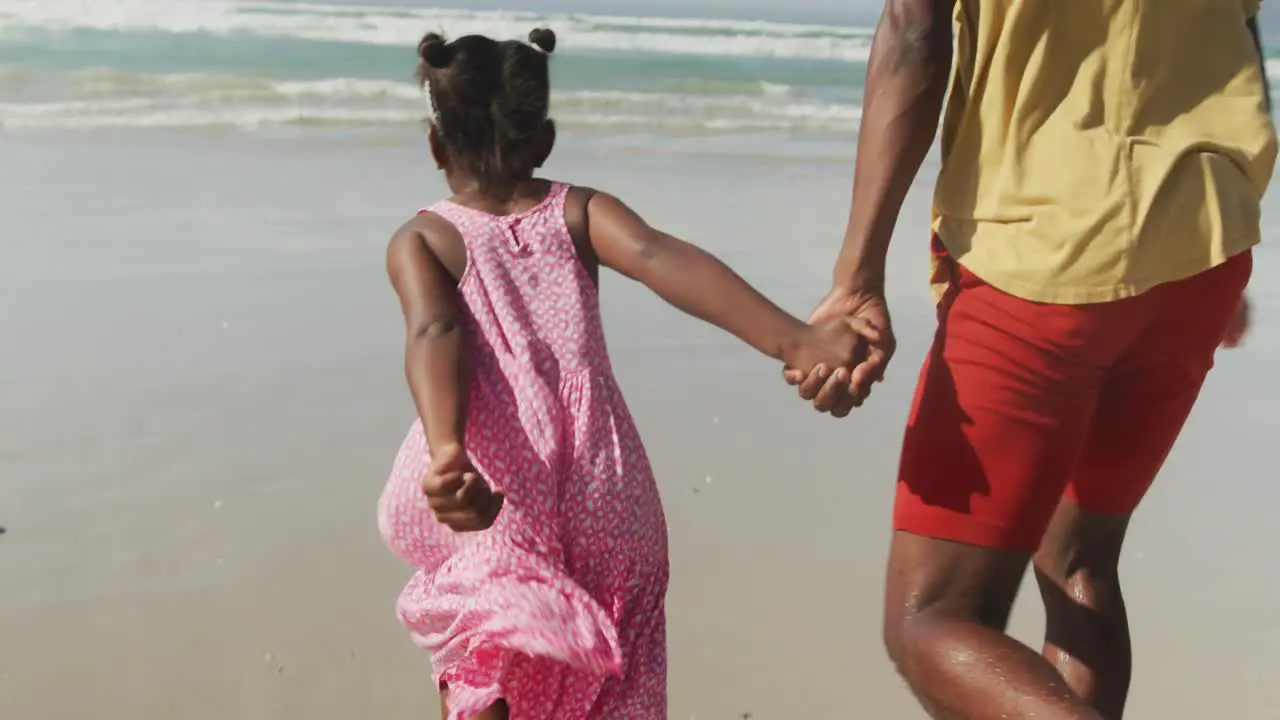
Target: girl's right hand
point(458, 495)
point(827, 347)
point(832, 390)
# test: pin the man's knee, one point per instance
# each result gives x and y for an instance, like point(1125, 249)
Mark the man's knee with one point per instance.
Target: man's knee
point(894, 633)
point(1089, 584)
point(1079, 557)
point(922, 644)
point(907, 639)
point(938, 591)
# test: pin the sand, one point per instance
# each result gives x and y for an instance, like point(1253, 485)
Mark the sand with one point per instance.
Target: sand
point(202, 390)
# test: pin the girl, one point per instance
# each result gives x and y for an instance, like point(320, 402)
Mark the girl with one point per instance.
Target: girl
point(555, 610)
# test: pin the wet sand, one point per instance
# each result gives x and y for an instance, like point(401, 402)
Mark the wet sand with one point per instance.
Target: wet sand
point(202, 392)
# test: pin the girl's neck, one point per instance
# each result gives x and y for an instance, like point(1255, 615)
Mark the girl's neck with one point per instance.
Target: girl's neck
point(517, 198)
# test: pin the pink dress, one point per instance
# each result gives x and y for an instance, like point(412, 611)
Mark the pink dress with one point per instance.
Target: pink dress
point(559, 607)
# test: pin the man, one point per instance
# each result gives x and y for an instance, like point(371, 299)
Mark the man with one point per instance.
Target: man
point(1103, 163)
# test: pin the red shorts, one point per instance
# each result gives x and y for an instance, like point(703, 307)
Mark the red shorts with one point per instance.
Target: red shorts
point(1021, 402)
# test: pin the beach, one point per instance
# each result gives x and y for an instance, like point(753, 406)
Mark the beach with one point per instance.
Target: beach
point(203, 397)
point(203, 389)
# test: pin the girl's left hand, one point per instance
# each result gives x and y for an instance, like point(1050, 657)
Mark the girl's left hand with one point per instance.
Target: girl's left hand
point(458, 495)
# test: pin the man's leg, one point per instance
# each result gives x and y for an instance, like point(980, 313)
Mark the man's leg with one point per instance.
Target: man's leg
point(1086, 627)
point(1004, 406)
point(945, 611)
point(1141, 410)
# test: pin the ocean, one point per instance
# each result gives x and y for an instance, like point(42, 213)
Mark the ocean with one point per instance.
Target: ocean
point(269, 65)
point(289, 66)
point(203, 369)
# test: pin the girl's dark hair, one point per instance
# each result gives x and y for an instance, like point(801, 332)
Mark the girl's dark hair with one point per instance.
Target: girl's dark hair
point(490, 100)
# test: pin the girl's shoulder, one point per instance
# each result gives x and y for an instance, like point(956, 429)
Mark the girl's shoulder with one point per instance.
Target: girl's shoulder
point(438, 235)
point(431, 220)
point(576, 200)
point(439, 208)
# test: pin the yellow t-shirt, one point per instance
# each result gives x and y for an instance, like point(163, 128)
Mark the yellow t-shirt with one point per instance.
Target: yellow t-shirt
point(1093, 149)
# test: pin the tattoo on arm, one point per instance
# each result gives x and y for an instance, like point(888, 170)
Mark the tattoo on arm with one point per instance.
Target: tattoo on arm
point(444, 326)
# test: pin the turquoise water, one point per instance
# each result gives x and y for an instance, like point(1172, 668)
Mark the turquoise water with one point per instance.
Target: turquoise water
point(170, 63)
point(259, 65)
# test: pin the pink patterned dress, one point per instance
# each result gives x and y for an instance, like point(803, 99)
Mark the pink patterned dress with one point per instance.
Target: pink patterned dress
point(559, 607)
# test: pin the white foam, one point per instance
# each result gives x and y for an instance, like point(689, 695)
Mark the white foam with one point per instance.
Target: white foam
point(775, 89)
point(376, 25)
point(113, 98)
point(88, 116)
point(711, 109)
point(351, 88)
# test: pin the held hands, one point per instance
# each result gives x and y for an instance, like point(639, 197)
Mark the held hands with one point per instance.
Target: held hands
point(824, 345)
point(837, 388)
point(456, 493)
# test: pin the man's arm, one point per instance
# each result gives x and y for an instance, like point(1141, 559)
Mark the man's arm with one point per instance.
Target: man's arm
point(1262, 59)
point(906, 82)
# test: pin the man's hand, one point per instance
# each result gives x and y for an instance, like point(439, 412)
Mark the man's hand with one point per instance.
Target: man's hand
point(839, 390)
point(456, 493)
point(1239, 326)
point(836, 342)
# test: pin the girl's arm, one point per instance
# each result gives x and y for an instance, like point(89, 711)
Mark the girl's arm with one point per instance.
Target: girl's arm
point(438, 379)
point(696, 282)
point(433, 362)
